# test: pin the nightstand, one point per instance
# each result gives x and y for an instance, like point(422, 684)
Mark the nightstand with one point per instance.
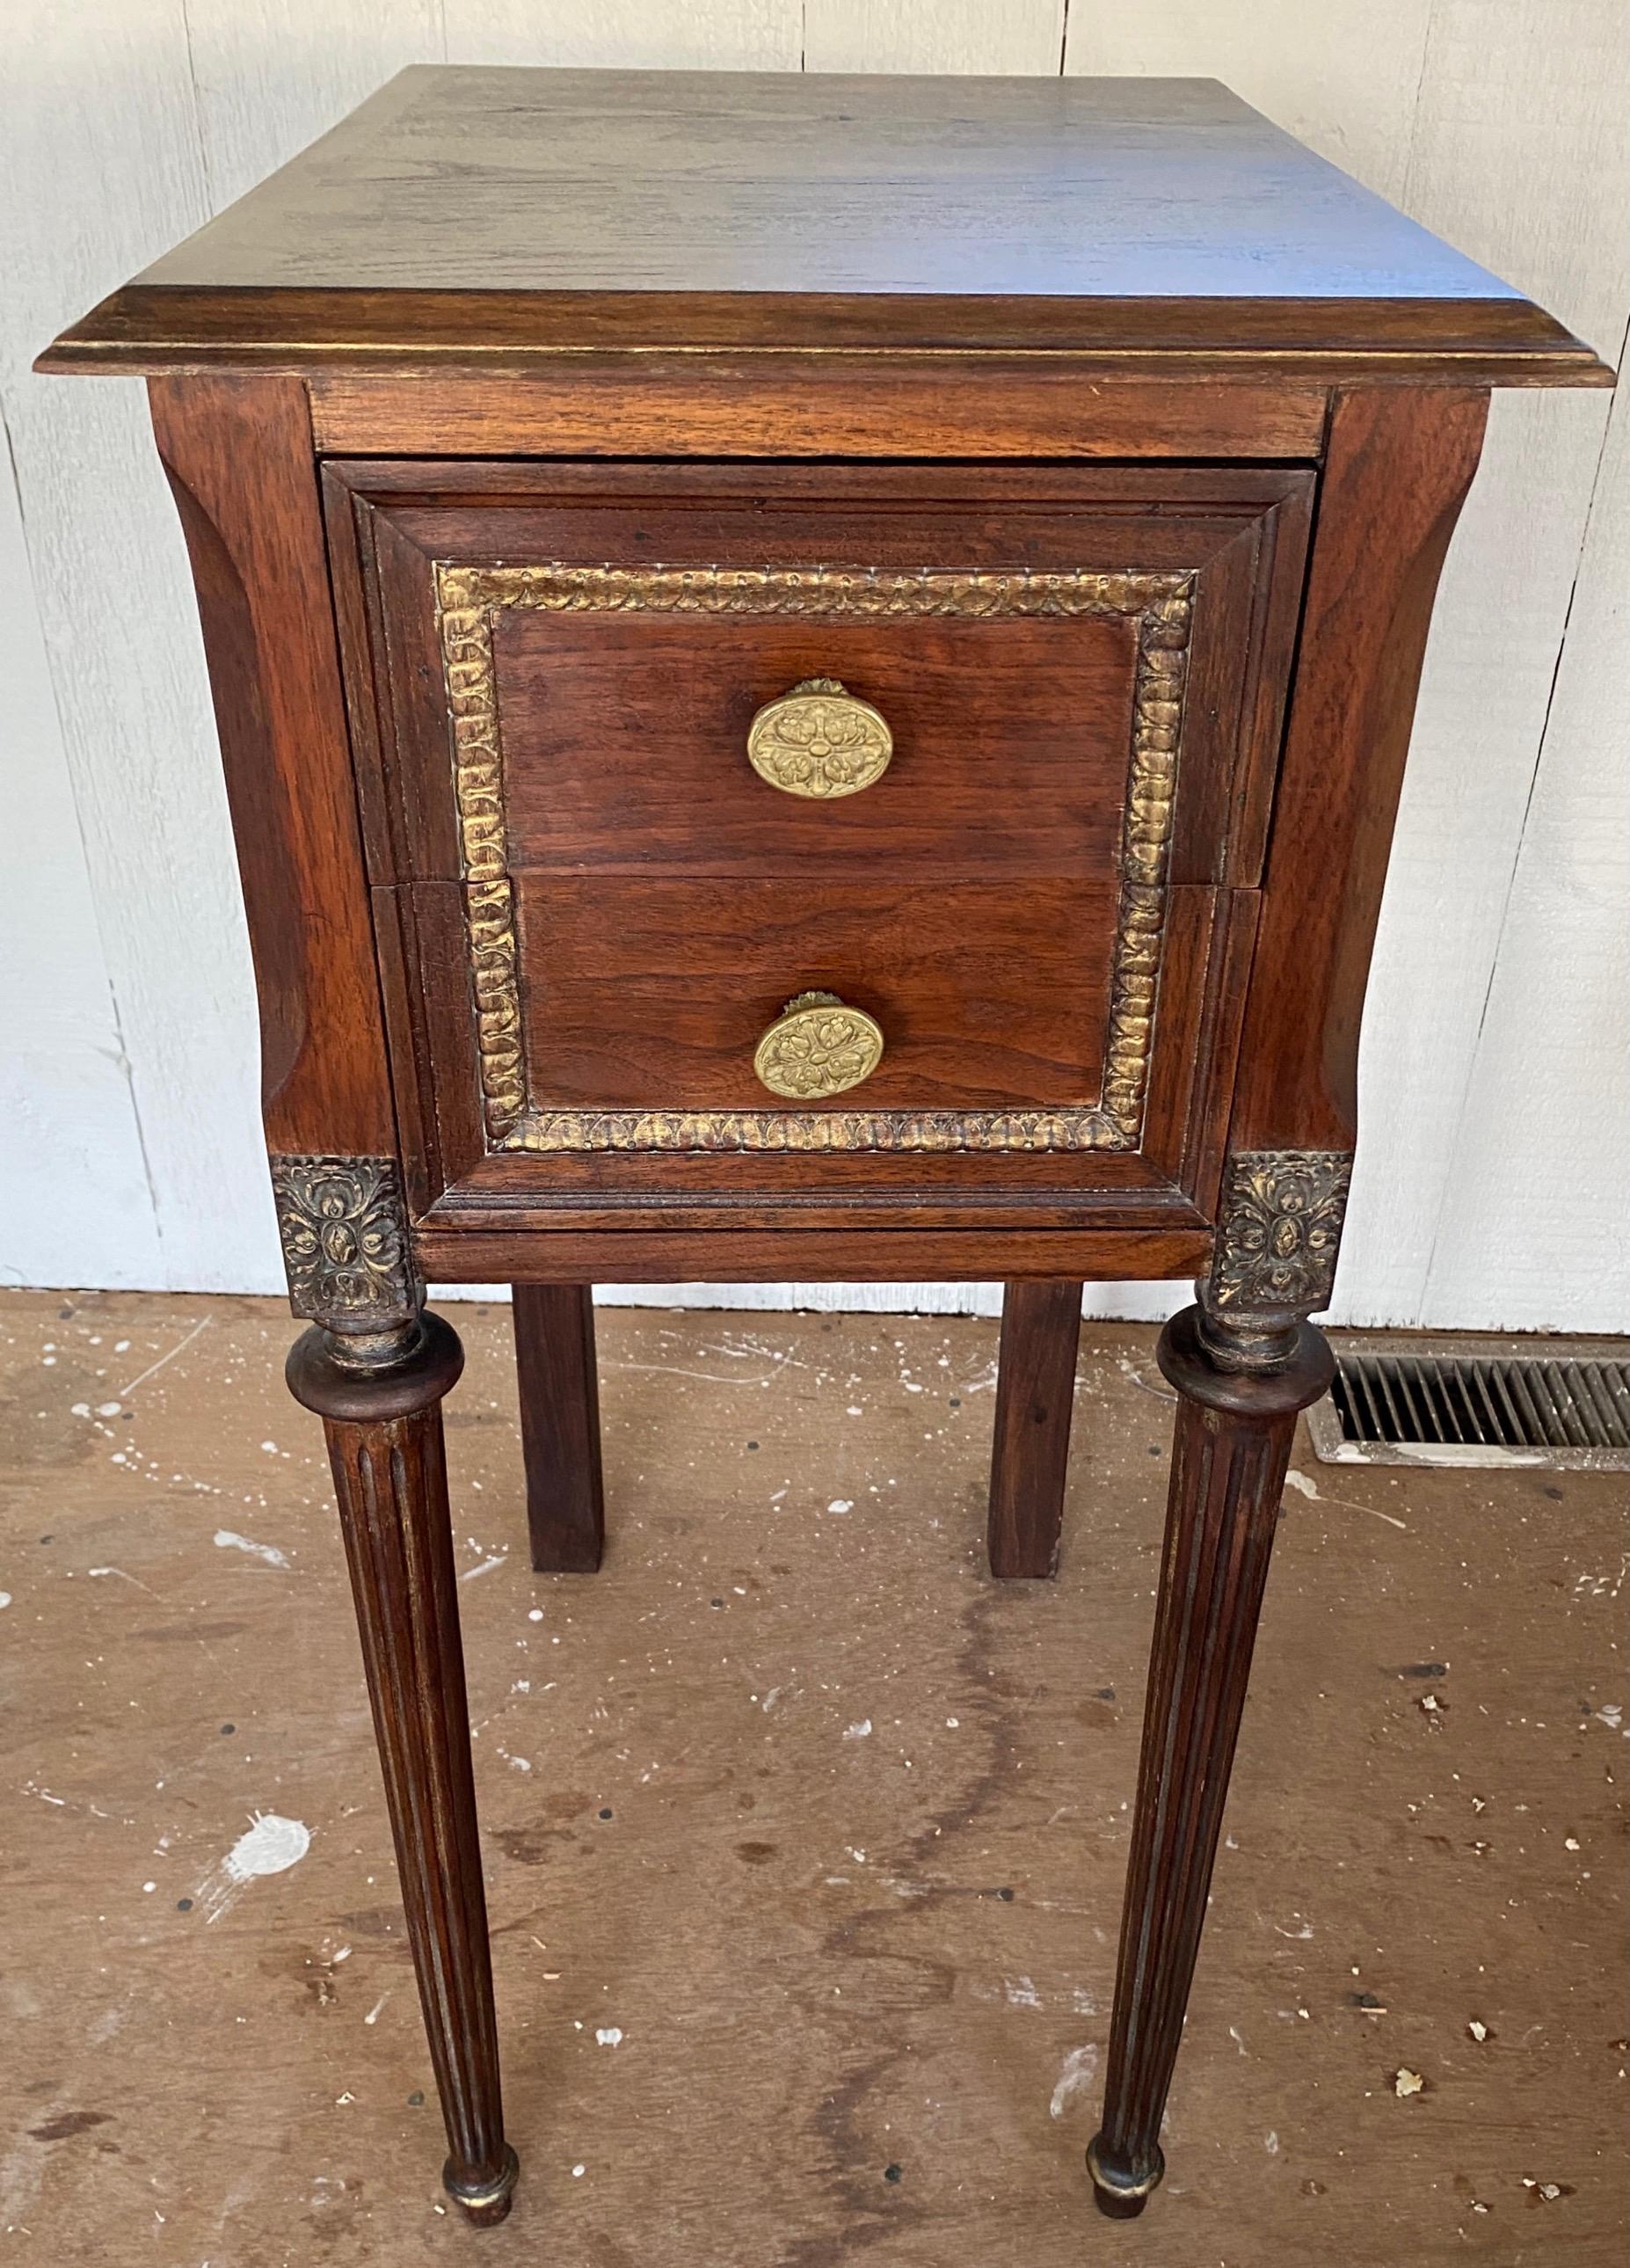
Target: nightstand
point(813, 676)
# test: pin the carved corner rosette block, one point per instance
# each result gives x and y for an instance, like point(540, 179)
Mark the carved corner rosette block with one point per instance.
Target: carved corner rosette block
point(1279, 1234)
point(343, 1223)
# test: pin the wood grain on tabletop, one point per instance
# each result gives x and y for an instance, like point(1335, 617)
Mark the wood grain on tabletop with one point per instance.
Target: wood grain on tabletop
point(465, 212)
point(827, 1952)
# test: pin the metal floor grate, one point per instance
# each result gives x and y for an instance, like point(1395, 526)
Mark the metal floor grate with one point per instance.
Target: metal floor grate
point(1401, 1398)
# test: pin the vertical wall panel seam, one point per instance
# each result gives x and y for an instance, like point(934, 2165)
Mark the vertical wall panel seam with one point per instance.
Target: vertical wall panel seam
point(1406, 192)
point(199, 139)
point(123, 1063)
point(1541, 746)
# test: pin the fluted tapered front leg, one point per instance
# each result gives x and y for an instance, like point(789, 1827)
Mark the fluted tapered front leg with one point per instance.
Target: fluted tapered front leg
point(1234, 1430)
point(379, 1399)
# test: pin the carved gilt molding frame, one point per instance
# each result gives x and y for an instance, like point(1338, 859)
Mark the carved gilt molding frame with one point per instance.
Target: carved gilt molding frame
point(469, 599)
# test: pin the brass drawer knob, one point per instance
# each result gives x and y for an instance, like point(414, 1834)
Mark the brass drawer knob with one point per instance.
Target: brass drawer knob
point(819, 740)
point(817, 1045)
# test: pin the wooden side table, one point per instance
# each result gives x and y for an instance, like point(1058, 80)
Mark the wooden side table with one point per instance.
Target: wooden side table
point(813, 676)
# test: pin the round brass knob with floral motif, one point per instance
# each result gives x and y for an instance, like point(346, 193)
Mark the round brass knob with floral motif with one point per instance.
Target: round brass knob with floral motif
point(818, 1046)
point(819, 740)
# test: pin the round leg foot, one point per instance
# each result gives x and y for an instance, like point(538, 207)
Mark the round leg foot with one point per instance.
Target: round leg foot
point(1120, 2188)
point(487, 2203)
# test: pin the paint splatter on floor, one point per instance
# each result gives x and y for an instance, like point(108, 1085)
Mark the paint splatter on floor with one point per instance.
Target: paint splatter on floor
point(270, 1845)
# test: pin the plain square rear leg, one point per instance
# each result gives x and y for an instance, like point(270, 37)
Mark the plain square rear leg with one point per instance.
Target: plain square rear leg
point(560, 1425)
point(1035, 1399)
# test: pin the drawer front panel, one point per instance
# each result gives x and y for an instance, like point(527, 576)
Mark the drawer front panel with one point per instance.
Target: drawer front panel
point(1082, 703)
point(625, 742)
point(652, 995)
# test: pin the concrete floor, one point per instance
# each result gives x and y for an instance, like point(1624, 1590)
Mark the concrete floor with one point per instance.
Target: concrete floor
point(806, 1842)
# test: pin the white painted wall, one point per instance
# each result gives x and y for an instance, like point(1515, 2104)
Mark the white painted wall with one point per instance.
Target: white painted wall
point(1496, 1068)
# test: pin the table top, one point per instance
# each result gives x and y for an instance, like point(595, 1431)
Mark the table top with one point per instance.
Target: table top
point(483, 216)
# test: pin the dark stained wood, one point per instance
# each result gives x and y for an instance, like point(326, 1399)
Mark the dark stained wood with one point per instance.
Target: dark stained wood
point(1399, 468)
point(626, 742)
point(1228, 1472)
point(811, 405)
point(238, 455)
point(1082, 1188)
point(467, 213)
point(1035, 1401)
point(1214, 1043)
point(560, 1425)
point(724, 1190)
point(1201, 1002)
point(656, 1255)
point(653, 994)
point(1189, 497)
point(1029, 718)
point(1095, 341)
point(384, 1445)
point(625, 756)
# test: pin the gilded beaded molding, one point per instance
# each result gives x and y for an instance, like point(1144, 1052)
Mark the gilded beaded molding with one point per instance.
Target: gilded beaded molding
point(467, 600)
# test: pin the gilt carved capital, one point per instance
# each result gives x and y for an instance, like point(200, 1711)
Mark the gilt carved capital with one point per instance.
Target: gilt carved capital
point(1279, 1234)
point(343, 1224)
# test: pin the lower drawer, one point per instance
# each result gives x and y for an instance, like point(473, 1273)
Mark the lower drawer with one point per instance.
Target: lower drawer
point(648, 995)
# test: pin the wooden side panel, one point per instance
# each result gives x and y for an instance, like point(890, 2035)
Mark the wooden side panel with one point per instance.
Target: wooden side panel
point(238, 455)
point(1399, 468)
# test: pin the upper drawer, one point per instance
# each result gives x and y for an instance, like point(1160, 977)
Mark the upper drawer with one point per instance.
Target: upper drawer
point(995, 743)
point(597, 643)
